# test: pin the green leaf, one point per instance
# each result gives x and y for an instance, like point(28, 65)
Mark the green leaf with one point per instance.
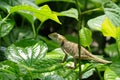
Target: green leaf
point(88, 73)
point(43, 13)
point(108, 29)
point(87, 70)
point(73, 13)
point(51, 65)
point(110, 75)
point(113, 73)
point(96, 23)
point(116, 67)
point(43, 1)
point(53, 77)
point(28, 16)
point(118, 39)
point(85, 37)
point(6, 27)
point(112, 51)
point(4, 6)
point(9, 70)
point(112, 11)
point(26, 51)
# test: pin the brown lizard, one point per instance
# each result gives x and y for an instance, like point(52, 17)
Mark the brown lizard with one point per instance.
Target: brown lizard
point(72, 49)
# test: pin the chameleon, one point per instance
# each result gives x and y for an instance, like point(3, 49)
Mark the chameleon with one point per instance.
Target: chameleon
point(71, 48)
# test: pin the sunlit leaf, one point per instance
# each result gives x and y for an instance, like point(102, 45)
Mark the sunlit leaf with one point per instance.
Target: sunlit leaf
point(108, 29)
point(73, 13)
point(85, 37)
point(43, 13)
point(96, 23)
point(26, 52)
point(6, 27)
point(112, 11)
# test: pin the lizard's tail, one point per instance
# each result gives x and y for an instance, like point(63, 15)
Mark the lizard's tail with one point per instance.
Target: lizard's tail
point(95, 58)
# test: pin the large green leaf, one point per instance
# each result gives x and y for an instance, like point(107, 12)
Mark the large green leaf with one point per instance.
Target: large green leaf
point(73, 13)
point(5, 27)
point(51, 64)
point(112, 11)
point(26, 51)
point(110, 75)
point(85, 37)
point(113, 73)
point(53, 77)
point(43, 13)
point(108, 29)
point(96, 23)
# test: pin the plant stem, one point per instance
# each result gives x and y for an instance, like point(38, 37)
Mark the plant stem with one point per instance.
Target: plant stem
point(6, 17)
point(30, 73)
point(88, 11)
point(118, 48)
point(39, 28)
point(79, 27)
point(98, 73)
point(34, 32)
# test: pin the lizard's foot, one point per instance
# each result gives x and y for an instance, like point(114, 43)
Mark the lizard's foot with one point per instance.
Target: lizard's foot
point(71, 66)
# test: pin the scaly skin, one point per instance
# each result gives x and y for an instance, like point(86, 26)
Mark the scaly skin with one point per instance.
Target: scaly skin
point(72, 49)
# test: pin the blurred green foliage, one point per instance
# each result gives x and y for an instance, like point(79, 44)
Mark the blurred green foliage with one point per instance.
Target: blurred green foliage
point(26, 52)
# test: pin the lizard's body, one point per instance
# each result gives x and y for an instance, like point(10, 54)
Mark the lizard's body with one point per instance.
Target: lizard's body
point(72, 49)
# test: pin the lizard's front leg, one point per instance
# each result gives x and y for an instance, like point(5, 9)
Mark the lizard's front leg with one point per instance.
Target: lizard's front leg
point(65, 57)
point(75, 63)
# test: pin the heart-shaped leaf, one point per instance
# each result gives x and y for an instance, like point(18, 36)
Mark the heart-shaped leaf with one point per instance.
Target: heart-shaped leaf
point(85, 37)
point(96, 23)
point(43, 13)
point(26, 51)
point(73, 13)
point(112, 11)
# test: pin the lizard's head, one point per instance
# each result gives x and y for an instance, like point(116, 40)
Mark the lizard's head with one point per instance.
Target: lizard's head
point(57, 37)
